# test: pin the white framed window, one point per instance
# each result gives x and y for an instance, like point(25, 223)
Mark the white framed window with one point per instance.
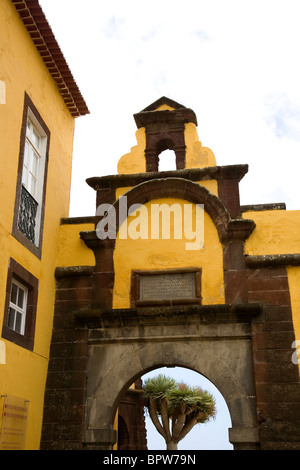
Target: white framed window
point(20, 306)
point(31, 181)
point(33, 177)
point(17, 307)
point(34, 158)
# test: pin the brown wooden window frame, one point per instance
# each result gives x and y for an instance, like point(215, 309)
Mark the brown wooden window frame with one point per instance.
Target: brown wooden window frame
point(36, 249)
point(30, 282)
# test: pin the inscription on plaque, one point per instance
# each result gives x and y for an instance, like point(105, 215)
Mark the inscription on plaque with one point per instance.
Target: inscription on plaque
point(13, 423)
point(167, 286)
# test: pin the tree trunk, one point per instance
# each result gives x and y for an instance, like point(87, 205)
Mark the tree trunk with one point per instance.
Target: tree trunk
point(165, 418)
point(187, 428)
point(171, 445)
point(154, 418)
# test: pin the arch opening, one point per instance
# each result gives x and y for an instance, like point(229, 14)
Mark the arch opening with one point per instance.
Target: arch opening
point(209, 436)
point(167, 160)
point(212, 435)
point(123, 434)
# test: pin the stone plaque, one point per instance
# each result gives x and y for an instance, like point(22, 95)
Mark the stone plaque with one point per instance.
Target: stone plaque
point(167, 286)
point(13, 423)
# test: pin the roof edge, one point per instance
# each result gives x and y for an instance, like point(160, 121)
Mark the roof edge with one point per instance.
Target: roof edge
point(161, 101)
point(47, 46)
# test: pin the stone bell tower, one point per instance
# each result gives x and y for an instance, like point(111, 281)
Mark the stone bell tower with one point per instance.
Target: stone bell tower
point(164, 130)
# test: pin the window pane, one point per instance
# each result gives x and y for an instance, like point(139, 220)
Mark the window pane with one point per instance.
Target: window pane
point(26, 164)
point(26, 154)
point(35, 138)
point(17, 307)
point(34, 163)
point(11, 318)
point(31, 186)
point(21, 298)
point(31, 165)
point(14, 293)
point(18, 322)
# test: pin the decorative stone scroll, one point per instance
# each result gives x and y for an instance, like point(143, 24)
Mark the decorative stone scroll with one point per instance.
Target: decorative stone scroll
point(166, 287)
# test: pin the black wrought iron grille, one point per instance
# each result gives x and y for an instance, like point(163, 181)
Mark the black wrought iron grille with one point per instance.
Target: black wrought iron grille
point(27, 214)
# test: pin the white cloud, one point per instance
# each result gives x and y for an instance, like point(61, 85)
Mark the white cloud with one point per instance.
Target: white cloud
point(283, 116)
point(113, 27)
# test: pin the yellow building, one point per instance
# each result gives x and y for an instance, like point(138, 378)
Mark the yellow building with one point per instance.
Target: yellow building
point(39, 101)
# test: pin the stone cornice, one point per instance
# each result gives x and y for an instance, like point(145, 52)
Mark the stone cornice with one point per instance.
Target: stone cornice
point(263, 261)
point(169, 118)
point(115, 318)
point(236, 172)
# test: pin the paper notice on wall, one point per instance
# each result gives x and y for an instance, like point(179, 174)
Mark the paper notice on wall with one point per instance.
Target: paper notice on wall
point(13, 423)
point(2, 92)
point(2, 352)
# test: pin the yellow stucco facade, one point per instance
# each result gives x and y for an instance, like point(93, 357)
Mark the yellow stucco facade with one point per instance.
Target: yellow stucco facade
point(277, 233)
point(23, 71)
point(170, 253)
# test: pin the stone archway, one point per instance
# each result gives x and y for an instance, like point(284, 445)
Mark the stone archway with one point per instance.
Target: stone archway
point(222, 353)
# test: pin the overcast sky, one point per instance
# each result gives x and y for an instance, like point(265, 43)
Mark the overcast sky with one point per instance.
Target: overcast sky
point(234, 62)
point(212, 435)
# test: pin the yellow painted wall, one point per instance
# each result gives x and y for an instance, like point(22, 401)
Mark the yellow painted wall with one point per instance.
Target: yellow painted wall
point(278, 232)
point(170, 253)
point(72, 250)
point(22, 69)
point(197, 156)
point(134, 161)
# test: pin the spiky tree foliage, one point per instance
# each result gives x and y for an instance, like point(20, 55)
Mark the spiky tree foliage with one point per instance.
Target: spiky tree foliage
point(175, 408)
